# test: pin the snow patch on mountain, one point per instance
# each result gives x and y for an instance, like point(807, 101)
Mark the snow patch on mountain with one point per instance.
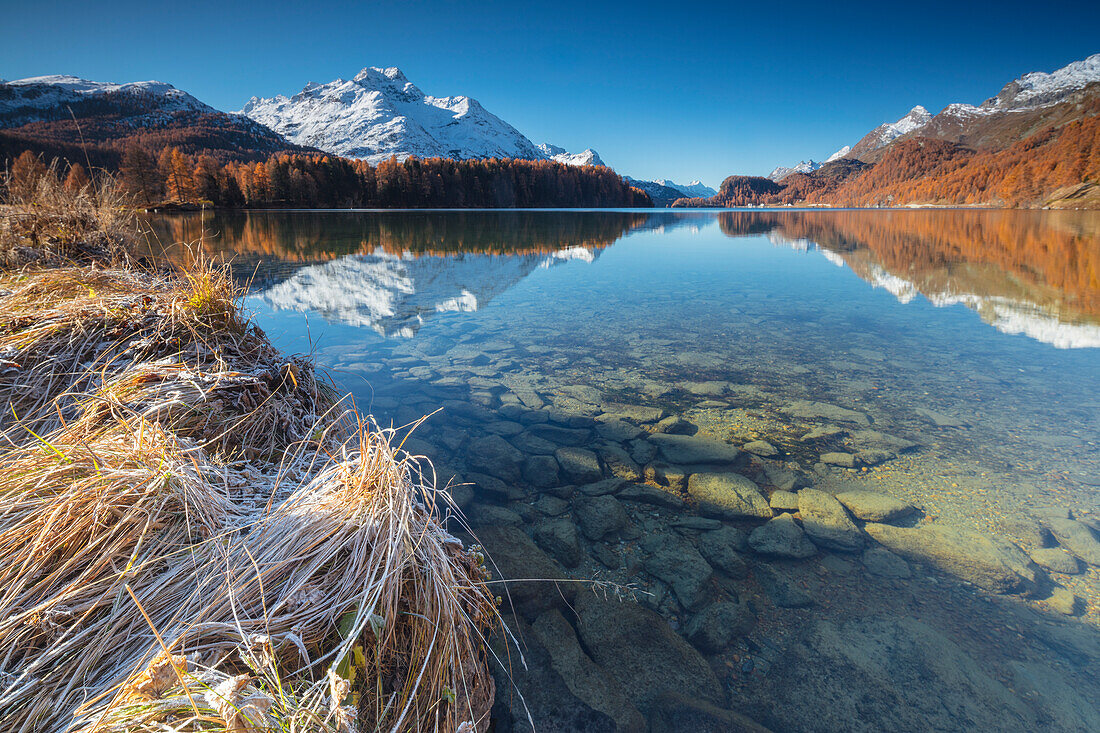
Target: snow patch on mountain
point(1040, 88)
point(380, 113)
point(803, 166)
point(395, 294)
point(695, 189)
point(45, 97)
point(839, 154)
point(561, 155)
point(915, 119)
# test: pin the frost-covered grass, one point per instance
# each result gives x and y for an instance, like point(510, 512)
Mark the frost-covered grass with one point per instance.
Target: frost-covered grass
point(196, 535)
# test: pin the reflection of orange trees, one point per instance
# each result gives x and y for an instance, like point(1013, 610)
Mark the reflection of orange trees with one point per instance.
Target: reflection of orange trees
point(1053, 256)
point(304, 236)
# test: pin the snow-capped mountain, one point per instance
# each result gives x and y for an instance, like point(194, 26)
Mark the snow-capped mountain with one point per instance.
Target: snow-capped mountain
point(48, 97)
point(1025, 104)
point(888, 132)
point(394, 294)
point(380, 113)
point(839, 154)
point(109, 115)
point(803, 166)
point(561, 155)
point(1038, 88)
point(695, 189)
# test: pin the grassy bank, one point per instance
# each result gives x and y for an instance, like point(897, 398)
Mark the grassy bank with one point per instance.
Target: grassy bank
point(196, 533)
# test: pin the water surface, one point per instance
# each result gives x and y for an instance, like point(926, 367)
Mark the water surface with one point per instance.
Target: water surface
point(952, 356)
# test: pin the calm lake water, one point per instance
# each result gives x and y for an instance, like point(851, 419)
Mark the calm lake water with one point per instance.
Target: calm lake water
point(597, 374)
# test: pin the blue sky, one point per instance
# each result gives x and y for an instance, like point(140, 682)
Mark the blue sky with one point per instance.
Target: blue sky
point(664, 89)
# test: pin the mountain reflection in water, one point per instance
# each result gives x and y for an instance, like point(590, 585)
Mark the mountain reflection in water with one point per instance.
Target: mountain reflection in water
point(1024, 272)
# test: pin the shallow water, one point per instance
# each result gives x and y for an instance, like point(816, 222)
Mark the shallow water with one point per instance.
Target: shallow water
point(951, 357)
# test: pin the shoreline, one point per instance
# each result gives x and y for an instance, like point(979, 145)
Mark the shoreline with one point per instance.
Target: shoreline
point(151, 422)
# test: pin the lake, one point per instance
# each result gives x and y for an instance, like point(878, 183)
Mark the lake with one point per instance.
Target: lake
point(622, 399)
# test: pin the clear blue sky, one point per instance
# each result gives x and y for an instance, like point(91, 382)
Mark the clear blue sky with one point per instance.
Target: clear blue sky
point(667, 89)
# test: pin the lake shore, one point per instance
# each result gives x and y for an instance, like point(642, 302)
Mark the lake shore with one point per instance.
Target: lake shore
point(194, 523)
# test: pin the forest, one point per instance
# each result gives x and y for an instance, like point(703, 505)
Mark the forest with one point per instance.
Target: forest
point(311, 180)
point(1025, 174)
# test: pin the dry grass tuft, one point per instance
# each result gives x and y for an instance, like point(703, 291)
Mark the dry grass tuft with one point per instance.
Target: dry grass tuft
point(196, 536)
point(43, 223)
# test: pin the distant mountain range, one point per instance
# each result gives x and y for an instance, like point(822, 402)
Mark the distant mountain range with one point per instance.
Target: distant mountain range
point(1000, 120)
point(65, 116)
point(375, 115)
point(1033, 144)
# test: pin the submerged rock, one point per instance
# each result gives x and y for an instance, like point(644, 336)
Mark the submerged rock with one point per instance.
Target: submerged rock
point(827, 523)
point(675, 713)
point(781, 537)
point(880, 561)
point(495, 456)
point(713, 628)
point(1077, 538)
point(824, 411)
point(694, 449)
point(728, 495)
point(844, 460)
point(637, 647)
point(559, 538)
point(1056, 560)
point(872, 674)
point(874, 507)
point(988, 562)
point(760, 448)
point(722, 548)
point(675, 560)
point(781, 590)
point(619, 463)
point(579, 464)
point(646, 494)
point(584, 678)
point(541, 471)
point(784, 501)
point(512, 554)
point(673, 477)
point(547, 699)
point(600, 516)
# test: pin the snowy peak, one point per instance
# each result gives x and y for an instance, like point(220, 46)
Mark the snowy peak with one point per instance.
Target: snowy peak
point(561, 155)
point(695, 189)
point(888, 132)
point(1039, 88)
point(803, 166)
point(380, 113)
point(839, 154)
point(45, 97)
point(915, 119)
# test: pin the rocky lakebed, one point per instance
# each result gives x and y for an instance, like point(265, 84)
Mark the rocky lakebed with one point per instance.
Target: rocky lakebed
point(703, 554)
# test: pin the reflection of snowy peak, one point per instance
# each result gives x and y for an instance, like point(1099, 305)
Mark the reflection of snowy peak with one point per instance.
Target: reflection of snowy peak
point(1007, 315)
point(393, 294)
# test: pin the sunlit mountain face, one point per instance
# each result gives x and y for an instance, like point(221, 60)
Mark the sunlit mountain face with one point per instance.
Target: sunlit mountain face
point(1023, 272)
